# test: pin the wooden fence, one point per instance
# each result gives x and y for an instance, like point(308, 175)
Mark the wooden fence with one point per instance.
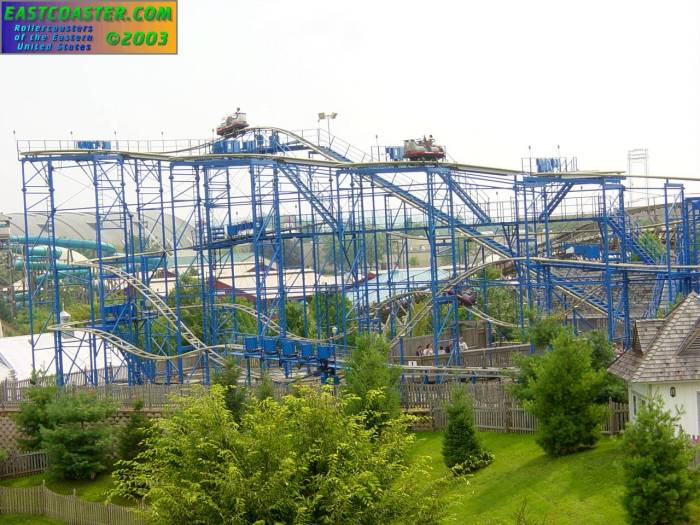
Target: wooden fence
point(13, 393)
point(40, 501)
point(495, 409)
point(23, 464)
point(494, 406)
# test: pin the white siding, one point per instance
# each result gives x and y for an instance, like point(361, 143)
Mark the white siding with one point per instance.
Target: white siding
point(685, 400)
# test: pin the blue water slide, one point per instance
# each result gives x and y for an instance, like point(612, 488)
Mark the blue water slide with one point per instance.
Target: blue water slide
point(71, 244)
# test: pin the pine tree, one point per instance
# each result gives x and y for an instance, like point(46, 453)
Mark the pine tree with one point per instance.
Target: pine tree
point(132, 435)
point(32, 415)
point(78, 440)
point(371, 382)
point(658, 483)
point(563, 395)
point(461, 448)
point(235, 396)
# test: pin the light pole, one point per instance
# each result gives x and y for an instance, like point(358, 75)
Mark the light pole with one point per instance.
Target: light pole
point(327, 117)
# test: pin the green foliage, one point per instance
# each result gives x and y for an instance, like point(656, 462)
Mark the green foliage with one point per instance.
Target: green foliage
point(371, 382)
point(526, 366)
point(33, 415)
point(658, 483)
point(424, 326)
point(562, 395)
point(294, 311)
point(327, 310)
point(234, 395)
point(244, 322)
point(542, 331)
point(77, 439)
point(651, 244)
point(303, 460)
point(130, 441)
point(502, 306)
point(602, 356)
point(265, 389)
point(3, 455)
point(461, 448)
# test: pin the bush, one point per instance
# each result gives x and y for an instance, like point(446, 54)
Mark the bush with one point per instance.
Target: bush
point(77, 439)
point(3, 455)
point(300, 460)
point(235, 396)
point(542, 331)
point(130, 442)
point(658, 483)
point(265, 389)
point(367, 373)
point(33, 416)
point(602, 356)
point(563, 393)
point(461, 448)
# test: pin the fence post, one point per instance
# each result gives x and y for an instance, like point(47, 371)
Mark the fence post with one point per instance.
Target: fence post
point(43, 497)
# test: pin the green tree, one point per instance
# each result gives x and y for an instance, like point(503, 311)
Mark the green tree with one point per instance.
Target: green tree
point(659, 486)
point(602, 356)
point(526, 371)
point(78, 438)
point(235, 394)
point(327, 310)
point(563, 394)
point(294, 312)
point(542, 331)
point(651, 244)
point(33, 415)
point(131, 438)
point(461, 448)
point(303, 460)
point(367, 374)
point(265, 389)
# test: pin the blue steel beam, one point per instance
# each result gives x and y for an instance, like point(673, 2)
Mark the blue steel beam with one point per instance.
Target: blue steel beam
point(478, 212)
point(556, 200)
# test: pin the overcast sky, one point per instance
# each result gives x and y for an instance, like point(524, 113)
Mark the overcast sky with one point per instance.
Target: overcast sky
point(486, 78)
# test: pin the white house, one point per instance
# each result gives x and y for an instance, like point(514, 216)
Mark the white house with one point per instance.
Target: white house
point(665, 360)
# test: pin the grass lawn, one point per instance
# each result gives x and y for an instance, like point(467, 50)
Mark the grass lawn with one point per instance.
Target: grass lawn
point(95, 490)
point(582, 488)
point(23, 519)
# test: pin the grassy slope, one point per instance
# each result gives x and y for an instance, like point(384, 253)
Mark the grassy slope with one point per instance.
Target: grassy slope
point(95, 490)
point(583, 488)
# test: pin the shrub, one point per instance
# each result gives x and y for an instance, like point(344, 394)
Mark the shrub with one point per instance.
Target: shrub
point(542, 331)
point(265, 389)
point(300, 460)
point(131, 437)
point(461, 448)
point(563, 393)
point(658, 483)
point(367, 373)
point(33, 416)
point(602, 356)
point(235, 396)
point(77, 440)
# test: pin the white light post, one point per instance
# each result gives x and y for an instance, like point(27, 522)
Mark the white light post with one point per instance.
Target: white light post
point(327, 117)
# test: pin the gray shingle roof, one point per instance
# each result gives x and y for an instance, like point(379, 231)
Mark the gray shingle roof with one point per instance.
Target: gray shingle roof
point(666, 352)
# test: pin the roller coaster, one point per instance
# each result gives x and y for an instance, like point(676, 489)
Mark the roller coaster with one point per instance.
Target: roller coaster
point(301, 241)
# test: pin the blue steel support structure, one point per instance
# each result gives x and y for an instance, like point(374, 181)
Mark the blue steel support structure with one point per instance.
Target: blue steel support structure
point(274, 218)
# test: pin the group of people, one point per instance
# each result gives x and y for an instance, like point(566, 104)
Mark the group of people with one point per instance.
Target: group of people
point(446, 349)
